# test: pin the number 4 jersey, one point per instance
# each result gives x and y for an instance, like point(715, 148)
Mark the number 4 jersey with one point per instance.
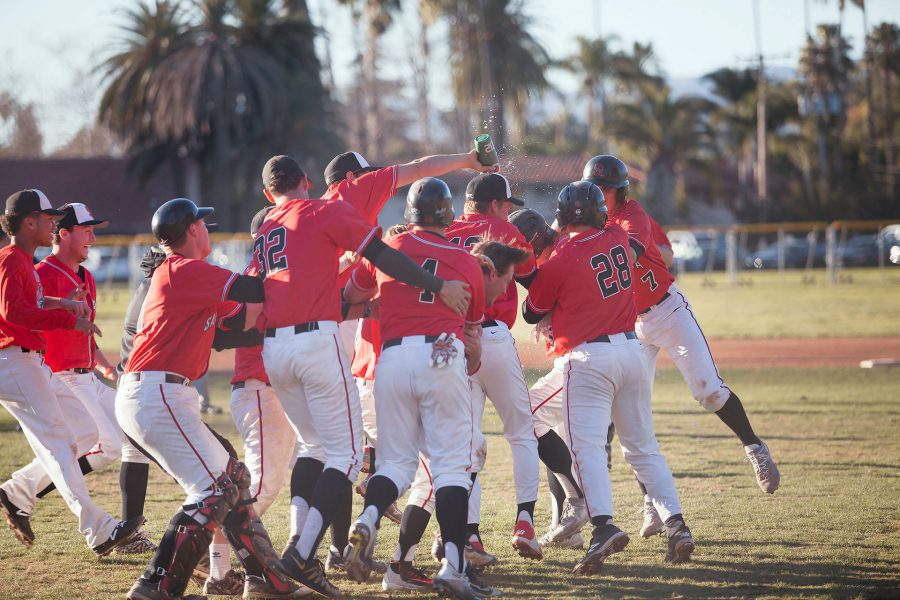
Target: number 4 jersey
point(405, 310)
point(587, 285)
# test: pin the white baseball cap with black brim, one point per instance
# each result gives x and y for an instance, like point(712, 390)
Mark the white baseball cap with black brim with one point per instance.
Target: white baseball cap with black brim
point(491, 186)
point(25, 202)
point(76, 213)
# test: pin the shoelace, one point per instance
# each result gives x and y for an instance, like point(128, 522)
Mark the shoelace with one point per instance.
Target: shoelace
point(760, 465)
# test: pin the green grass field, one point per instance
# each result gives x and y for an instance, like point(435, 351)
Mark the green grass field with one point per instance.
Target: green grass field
point(832, 530)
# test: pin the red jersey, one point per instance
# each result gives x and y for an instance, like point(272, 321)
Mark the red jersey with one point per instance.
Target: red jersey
point(406, 310)
point(470, 229)
point(367, 193)
point(22, 316)
point(659, 234)
point(248, 364)
point(178, 318)
point(297, 251)
point(68, 348)
point(587, 283)
point(367, 349)
point(652, 278)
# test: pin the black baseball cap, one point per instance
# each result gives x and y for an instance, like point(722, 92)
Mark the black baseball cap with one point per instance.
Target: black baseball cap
point(258, 219)
point(76, 213)
point(348, 161)
point(491, 186)
point(30, 201)
point(283, 173)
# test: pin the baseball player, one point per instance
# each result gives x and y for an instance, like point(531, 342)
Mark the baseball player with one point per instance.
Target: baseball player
point(156, 406)
point(296, 252)
point(666, 321)
point(421, 392)
point(586, 287)
point(662, 242)
point(28, 390)
point(488, 202)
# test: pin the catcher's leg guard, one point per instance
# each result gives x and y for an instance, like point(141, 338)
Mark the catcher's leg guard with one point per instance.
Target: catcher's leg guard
point(248, 536)
point(188, 537)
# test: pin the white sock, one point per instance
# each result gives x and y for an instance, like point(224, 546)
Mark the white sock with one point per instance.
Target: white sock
point(524, 516)
point(451, 555)
point(371, 514)
point(566, 483)
point(312, 527)
point(219, 560)
point(555, 509)
point(299, 510)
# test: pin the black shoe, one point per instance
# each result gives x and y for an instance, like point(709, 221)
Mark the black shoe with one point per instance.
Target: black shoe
point(681, 545)
point(18, 520)
point(290, 544)
point(121, 535)
point(482, 587)
point(308, 572)
point(605, 541)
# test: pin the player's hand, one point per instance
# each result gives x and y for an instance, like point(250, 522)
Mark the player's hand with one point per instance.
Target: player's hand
point(109, 373)
point(456, 295)
point(79, 308)
point(86, 326)
point(78, 293)
point(348, 259)
point(473, 164)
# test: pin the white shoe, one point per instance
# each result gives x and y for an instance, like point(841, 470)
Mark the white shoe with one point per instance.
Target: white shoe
point(574, 517)
point(358, 556)
point(767, 475)
point(575, 541)
point(653, 524)
point(404, 576)
point(450, 583)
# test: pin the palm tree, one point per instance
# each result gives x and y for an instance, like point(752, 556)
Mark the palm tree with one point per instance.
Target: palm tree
point(595, 62)
point(883, 49)
point(669, 133)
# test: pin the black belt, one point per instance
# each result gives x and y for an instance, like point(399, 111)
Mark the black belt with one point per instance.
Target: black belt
point(646, 310)
point(397, 341)
point(605, 338)
point(491, 323)
point(170, 378)
point(241, 385)
point(23, 349)
point(301, 328)
point(81, 371)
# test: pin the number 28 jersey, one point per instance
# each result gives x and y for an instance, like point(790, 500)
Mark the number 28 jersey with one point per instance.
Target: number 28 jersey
point(587, 284)
point(405, 310)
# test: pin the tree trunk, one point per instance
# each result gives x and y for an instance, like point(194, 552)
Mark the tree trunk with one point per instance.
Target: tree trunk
point(421, 72)
point(889, 135)
point(373, 114)
point(591, 115)
point(661, 188)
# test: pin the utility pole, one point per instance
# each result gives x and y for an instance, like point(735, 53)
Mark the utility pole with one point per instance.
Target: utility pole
point(761, 145)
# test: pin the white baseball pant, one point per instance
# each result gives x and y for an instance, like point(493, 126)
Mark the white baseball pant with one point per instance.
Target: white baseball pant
point(421, 492)
point(348, 330)
point(501, 379)
point(311, 375)
point(672, 326)
point(27, 392)
point(546, 397)
point(268, 439)
point(422, 407)
point(606, 381)
point(164, 419)
point(366, 389)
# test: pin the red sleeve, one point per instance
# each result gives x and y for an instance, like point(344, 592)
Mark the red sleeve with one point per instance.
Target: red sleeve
point(20, 310)
point(362, 276)
point(637, 224)
point(544, 289)
point(346, 227)
point(527, 267)
point(475, 314)
point(659, 234)
point(200, 284)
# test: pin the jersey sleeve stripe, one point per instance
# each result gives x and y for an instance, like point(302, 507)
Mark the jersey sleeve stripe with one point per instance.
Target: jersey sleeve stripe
point(233, 311)
point(394, 171)
point(535, 309)
point(367, 240)
point(227, 287)
point(356, 283)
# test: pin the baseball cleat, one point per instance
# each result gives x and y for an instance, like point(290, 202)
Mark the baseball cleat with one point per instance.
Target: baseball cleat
point(576, 541)
point(201, 570)
point(402, 575)
point(292, 541)
point(139, 544)
point(653, 524)
point(767, 475)
point(121, 535)
point(574, 517)
point(143, 590)
point(308, 572)
point(681, 545)
point(605, 541)
point(393, 514)
point(257, 588)
point(335, 560)
point(481, 587)
point(450, 583)
point(358, 561)
point(230, 585)
point(18, 520)
point(477, 556)
point(524, 541)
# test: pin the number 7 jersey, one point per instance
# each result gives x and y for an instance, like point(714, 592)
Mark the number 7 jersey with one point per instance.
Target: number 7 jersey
point(587, 285)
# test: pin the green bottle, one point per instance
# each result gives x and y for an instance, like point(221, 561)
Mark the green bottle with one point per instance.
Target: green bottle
point(484, 147)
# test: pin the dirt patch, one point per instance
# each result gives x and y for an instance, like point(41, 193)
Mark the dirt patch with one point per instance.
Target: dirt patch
point(731, 353)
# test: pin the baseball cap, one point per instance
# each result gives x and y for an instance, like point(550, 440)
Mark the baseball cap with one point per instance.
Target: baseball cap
point(280, 172)
point(491, 186)
point(29, 201)
point(348, 161)
point(76, 213)
point(258, 219)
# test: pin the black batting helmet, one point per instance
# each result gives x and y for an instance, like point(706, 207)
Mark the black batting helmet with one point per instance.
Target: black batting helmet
point(534, 229)
point(429, 203)
point(171, 220)
point(581, 202)
point(606, 170)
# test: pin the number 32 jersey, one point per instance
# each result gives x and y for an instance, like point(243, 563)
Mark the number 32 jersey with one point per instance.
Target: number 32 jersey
point(587, 284)
point(297, 250)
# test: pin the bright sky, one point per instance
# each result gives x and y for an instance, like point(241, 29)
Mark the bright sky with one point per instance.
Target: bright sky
point(47, 47)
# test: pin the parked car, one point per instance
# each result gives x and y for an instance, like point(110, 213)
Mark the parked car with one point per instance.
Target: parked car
point(686, 250)
point(859, 251)
point(796, 254)
point(891, 243)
